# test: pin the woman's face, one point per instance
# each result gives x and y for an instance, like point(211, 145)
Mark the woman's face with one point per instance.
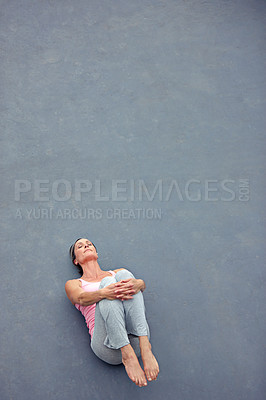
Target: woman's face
point(84, 251)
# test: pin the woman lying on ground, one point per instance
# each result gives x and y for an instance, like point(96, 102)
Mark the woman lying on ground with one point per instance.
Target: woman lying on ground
point(113, 307)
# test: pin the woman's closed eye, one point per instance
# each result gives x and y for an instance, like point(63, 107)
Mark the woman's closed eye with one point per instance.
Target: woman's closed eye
point(87, 244)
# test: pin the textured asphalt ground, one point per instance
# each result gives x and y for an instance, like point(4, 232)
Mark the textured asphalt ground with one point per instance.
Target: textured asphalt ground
point(140, 125)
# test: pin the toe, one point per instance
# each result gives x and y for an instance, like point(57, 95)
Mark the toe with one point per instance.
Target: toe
point(148, 375)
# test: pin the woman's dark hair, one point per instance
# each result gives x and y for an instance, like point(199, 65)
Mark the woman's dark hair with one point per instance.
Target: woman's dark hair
point(73, 256)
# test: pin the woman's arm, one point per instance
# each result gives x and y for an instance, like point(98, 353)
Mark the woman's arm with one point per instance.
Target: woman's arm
point(77, 295)
point(143, 285)
point(126, 288)
point(139, 283)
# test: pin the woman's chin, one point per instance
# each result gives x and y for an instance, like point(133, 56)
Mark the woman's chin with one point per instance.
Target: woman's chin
point(90, 256)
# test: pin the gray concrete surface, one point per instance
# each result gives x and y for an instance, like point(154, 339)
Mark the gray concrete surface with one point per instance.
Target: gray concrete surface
point(169, 98)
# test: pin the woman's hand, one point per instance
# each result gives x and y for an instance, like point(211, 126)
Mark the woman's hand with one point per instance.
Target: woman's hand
point(125, 289)
point(108, 292)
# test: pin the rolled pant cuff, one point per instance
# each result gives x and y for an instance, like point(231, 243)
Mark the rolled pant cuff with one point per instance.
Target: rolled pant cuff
point(139, 333)
point(115, 346)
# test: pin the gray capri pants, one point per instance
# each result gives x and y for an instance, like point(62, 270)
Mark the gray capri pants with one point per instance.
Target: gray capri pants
point(118, 323)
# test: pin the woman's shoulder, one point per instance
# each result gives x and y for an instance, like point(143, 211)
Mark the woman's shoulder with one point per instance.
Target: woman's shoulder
point(73, 282)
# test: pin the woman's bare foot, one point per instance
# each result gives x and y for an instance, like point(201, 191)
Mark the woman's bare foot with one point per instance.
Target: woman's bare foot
point(150, 363)
point(133, 369)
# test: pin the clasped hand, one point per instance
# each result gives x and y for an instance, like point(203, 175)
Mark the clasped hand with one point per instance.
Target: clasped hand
point(123, 290)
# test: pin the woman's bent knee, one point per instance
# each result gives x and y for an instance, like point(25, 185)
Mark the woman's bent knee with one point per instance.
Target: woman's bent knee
point(123, 274)
point(107, 281)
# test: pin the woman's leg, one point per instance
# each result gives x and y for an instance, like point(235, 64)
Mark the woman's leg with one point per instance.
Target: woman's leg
point(134, 309)
point(136, 324)
point(109, 319)
point(110, 333)
point(110, 341)
point(117, 327)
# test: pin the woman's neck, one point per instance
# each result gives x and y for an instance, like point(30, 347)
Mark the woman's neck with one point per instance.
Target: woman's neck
point(91, 270)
